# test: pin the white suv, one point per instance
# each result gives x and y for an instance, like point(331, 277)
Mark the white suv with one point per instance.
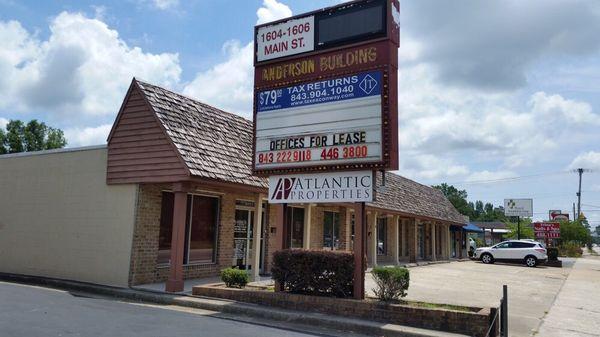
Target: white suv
point(523, 251)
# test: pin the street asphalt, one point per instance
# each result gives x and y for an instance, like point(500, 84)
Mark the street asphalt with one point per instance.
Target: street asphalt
point(30, 311)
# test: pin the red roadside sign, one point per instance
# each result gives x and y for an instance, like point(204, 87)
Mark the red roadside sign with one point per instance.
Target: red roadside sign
point(547, 230)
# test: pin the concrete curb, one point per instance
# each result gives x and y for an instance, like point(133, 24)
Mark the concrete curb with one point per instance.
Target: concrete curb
point(231, 307)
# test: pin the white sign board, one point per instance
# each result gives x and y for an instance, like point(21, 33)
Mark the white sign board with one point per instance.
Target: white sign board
point(353, 186)
point(518, 207)
point(285, 39)
point(326, 122)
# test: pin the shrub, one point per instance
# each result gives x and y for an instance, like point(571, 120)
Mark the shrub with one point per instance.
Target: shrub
point(234, 278)
point(314, 272)
point(570, 249)
point(392, 283)
point(552, 253)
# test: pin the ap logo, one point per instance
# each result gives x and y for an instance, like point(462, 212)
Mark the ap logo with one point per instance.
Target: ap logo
point(368, 84)
point(511, 204)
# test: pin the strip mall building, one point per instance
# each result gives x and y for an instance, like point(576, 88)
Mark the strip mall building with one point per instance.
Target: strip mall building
point(107, 214)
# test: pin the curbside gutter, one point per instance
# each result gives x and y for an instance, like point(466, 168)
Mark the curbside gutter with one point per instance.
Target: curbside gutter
point(230, 307)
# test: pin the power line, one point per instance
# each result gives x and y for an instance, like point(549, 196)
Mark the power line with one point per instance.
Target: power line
point(486, 181)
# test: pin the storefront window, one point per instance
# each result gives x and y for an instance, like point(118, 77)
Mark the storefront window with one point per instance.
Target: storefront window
point(201, 229)
point(331, 230)
point(381, 236)
point(296, 222)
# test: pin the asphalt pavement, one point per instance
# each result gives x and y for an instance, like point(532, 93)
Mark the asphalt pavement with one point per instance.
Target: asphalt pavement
point(31, 311)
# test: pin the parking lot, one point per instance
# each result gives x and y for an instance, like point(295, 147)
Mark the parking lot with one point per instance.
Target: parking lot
point(531, 290)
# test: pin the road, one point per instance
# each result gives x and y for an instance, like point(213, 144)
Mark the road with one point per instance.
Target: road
point(34, 311)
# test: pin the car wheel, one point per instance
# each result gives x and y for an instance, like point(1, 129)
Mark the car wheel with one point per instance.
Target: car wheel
point(487, 258)
point(530, 261)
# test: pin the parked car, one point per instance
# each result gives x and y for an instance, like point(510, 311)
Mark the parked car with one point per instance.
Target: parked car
point(529, 252)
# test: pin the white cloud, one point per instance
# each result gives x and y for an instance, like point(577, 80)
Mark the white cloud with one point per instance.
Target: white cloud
point(227, 85)
point(83, 69)
point(87, 136)
point(587, 160)
point(3, 122)
point(430, 167)
point(272, 10)
point(453, 122)
point(555, 107)
point(486, 175)
point(160, 4)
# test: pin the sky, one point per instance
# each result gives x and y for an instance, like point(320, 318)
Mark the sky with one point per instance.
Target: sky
point(500, 98)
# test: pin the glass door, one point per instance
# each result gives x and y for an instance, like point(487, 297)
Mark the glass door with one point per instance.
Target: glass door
point(242, 238)
point(296, 226)
point(331, 230)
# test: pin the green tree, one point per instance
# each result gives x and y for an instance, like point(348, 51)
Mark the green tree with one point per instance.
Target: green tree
point(526, 229)
point(14, 136)
point(598, 230)
point(574, 231)
point(3, 149)
point(34, 136)
point(457, 197)
point(55, 139)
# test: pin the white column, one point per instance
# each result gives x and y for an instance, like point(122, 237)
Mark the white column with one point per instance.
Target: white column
point(256, 237)
point(307, 223)
point(374, 239)
point(395, 241)
point(433, 226)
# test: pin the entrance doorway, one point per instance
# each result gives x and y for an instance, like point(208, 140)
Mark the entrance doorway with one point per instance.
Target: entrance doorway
point(295, 223)
point(331, 230)
point(243, 236)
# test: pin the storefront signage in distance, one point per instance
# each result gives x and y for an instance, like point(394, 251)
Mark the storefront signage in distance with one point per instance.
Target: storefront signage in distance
point(518, 207)
point(354, 186)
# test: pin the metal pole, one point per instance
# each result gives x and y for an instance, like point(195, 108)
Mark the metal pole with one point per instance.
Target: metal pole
point(360, 249)
point(580, 171)
point(504, 312)
point(519, 228)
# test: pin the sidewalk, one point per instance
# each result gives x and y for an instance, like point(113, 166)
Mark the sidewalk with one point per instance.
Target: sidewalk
point(576, 311)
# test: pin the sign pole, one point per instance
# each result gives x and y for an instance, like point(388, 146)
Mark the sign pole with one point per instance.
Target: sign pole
point(360, 249)
point(519, 228)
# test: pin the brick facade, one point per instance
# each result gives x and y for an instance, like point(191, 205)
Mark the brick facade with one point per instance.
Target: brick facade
point(144, 267)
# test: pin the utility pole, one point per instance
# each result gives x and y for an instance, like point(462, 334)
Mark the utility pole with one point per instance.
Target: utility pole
point(580, 171)
point(574, 215)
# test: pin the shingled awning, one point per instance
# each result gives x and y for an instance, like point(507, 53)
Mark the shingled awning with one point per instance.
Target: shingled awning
point(214, 144)
point(409, 197)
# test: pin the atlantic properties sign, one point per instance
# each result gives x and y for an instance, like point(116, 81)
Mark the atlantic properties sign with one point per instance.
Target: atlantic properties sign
point(355, 186)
